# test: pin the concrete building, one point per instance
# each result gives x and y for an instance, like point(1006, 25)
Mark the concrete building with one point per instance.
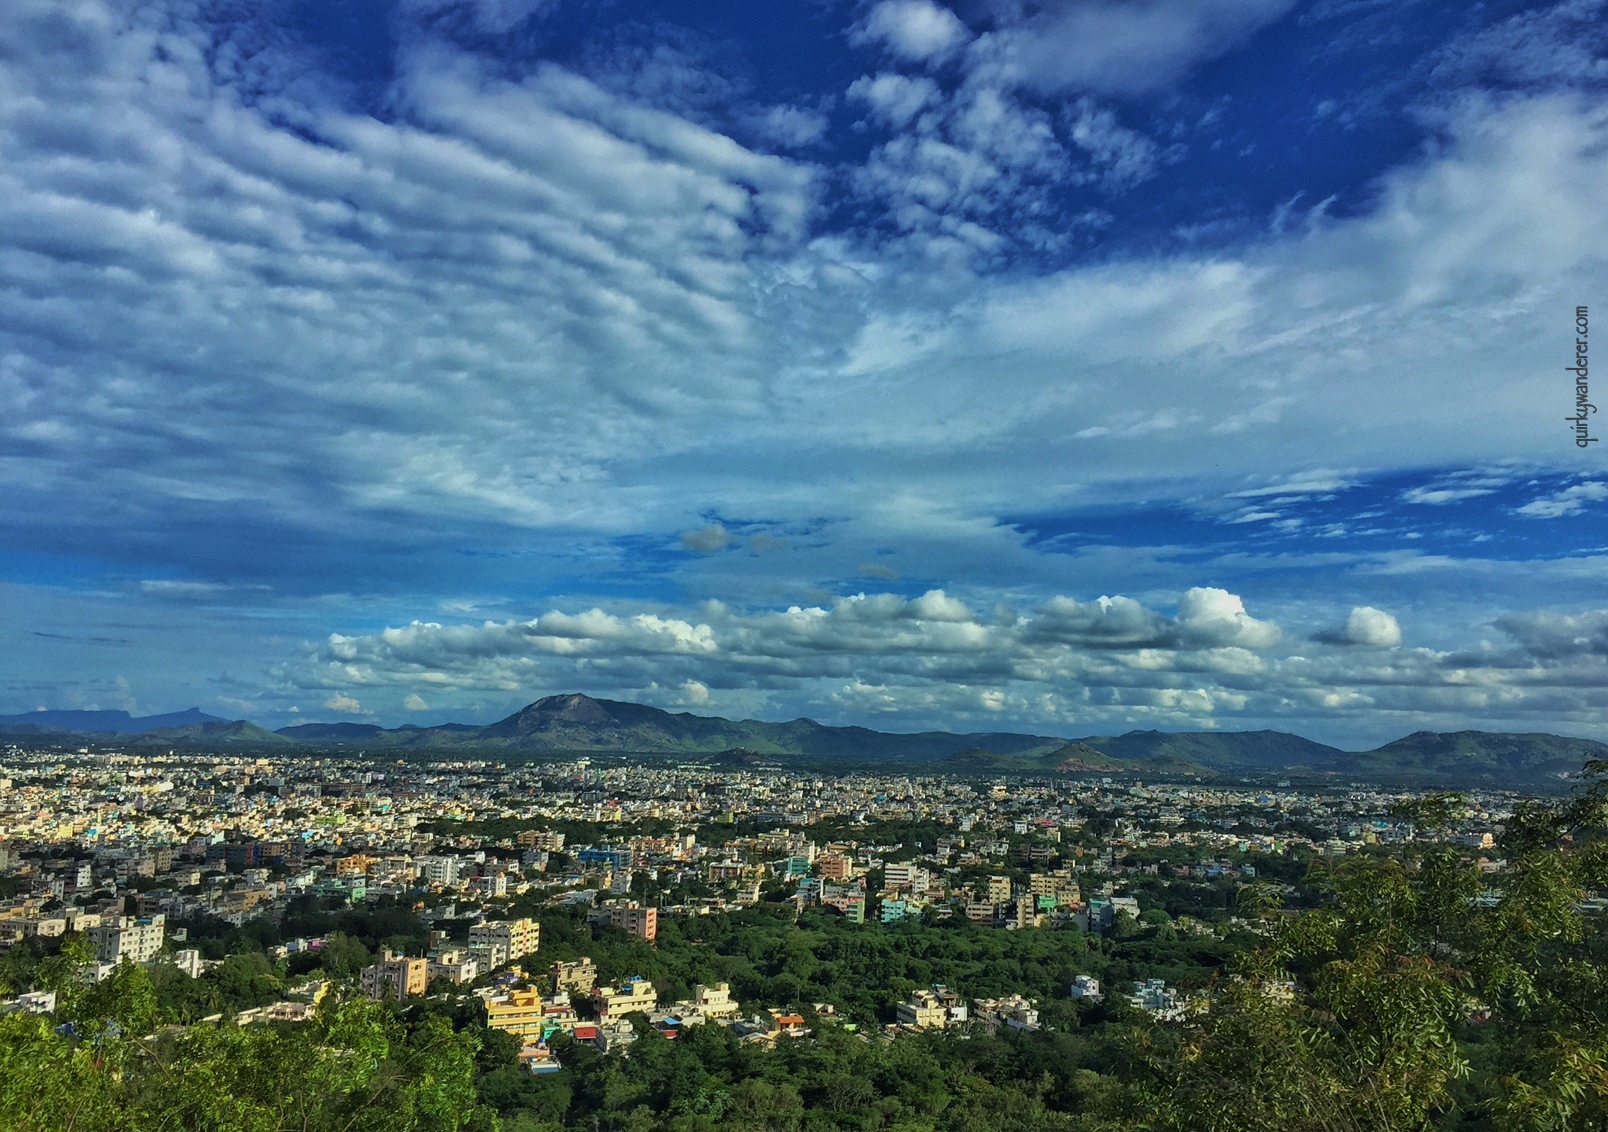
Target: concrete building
point(632, 917)
point(396, 977)
point(715, 1001)
point(519, 1012)
point(496, 942)
point(632, 995)
point(454, 963)
point(576, 978)
point(124, 937)
point(1087, 987)
point(923, 1011)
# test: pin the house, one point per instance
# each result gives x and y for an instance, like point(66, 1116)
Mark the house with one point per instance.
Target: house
point(1013, 1012)
point(932, 1009)
point(1087, 988)
point(786, 1023)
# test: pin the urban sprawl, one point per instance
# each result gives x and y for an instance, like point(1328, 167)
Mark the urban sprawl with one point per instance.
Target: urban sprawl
point(134, 851)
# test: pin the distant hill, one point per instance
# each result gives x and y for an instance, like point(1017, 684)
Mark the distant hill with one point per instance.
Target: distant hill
point(581, 723)
point(331, 731)
point(102, 722)
point(578, 723)
point(1224, 750)
point(1074, 758)
point(1483, 755)
point(239, 733)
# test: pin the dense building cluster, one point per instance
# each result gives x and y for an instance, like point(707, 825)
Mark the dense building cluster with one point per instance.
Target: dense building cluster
point(121, 846)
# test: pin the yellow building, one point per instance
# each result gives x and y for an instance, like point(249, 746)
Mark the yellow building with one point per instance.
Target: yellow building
point(519, 1012)
point(396, 976)
point(632, 995)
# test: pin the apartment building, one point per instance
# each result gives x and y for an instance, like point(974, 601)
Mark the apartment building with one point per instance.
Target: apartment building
point(715, 1001)
point(577, 978)
point(632, 995)
point(395, 977)
point(496, 942)
point(118, 938)
point(519, 1012)
point(630, 917)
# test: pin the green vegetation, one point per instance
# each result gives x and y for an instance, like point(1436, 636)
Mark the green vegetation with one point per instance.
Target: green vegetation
point(1406, 990)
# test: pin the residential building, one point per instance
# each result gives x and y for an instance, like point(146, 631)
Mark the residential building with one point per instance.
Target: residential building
point(496, 942)
point(124, 937)
point(632, 995)
point(1013, 1012)
point(395, 977)
point(923, 1011)
point(715, 1001)
point(633, 918)
point(519, 1012)
point(578, 977)
point(1087, 987)
point(454, 963)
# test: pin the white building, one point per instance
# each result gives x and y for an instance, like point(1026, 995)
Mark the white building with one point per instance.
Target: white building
point(124, 937)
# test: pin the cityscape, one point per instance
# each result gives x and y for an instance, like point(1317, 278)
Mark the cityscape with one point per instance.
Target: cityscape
point(596, 903)
point(819, 566)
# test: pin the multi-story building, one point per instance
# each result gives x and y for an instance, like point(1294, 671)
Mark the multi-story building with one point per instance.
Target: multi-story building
point(999, 889)
point(630, 917)
point(496, 942)
point(578, 977)
point(835, 866)
point(1012, 1012)
point(519, 1012)
point(439, 870)
point(453, 963)
point(913, 877)
point(923, 1011)
point(632, 995)
point(124, 937)
point(715, 1001)
point(396, 977)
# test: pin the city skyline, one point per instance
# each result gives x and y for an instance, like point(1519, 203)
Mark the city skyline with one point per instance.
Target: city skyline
point(1059, 370)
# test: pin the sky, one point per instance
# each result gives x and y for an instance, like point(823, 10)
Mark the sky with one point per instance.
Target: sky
point(1066, 367)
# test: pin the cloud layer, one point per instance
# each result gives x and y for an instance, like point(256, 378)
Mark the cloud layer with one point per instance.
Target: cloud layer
point(1006, 307)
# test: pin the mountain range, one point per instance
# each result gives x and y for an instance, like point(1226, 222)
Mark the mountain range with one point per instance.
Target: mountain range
point(576, 724)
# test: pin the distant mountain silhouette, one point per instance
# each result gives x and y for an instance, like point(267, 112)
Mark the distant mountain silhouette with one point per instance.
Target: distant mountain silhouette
point(576, 723)
point(104, 722)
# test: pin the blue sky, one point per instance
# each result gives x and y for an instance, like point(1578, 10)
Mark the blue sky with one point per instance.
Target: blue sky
point(1065, 367)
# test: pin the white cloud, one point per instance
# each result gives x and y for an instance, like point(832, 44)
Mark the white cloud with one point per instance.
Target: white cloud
point(415, 702)
point(1212, 616)
point(695, 693)
point(916, 30)
point(1124, 48)
point(1569, 501)
point(1369, 626)
point(793, 127)
point(1121, 156)
point(1439, 496)
point(895, 99)
point(706, 540)
point(343, 703)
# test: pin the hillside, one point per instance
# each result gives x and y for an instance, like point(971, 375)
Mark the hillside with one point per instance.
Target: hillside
point(99, 722)
point(578, 723)
point(1484, 755)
